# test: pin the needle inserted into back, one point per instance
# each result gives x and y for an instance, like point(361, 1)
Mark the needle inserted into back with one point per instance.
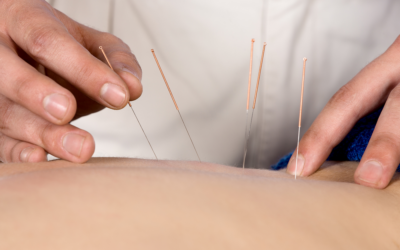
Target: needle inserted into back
point(254, 103)
point(300, 113)
point(248, 99)
point(173, 99)
point(109, 64)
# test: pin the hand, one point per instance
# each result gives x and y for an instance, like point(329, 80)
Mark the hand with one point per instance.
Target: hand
point(51, 72)
point(373, 86)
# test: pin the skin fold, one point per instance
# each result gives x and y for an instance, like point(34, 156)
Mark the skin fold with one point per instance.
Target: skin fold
point(113, 203)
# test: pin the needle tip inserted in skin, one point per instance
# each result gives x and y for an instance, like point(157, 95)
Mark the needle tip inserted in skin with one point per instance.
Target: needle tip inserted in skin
point(300, 114)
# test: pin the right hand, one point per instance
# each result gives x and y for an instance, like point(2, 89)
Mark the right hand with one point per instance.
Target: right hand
point(51, 72)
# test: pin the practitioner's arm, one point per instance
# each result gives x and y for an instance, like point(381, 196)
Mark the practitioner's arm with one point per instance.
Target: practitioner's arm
point(51, 73)
point(124, 204)
point(374, 85)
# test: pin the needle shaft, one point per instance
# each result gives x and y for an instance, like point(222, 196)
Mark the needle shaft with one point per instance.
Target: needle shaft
point(246, 140)
point(143, 131)
point(297, 152)
point(189, 136)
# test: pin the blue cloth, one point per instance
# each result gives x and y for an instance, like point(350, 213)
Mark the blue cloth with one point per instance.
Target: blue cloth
point(352, 147)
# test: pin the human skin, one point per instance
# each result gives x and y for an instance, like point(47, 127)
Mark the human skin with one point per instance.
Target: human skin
point(53, 72)
point(130, 203)
point(376, 84)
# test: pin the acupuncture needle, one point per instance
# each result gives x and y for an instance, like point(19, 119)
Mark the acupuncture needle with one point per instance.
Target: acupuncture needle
point(173, 99)
point(109, 64)
point(254, 103)
point(248, 99)
point(300, 113)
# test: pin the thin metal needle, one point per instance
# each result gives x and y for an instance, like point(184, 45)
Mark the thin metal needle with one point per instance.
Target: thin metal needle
point(300, 114)
point(173, 99)
point(254, 103)
point(189, 135)
point(143, 131)
point(247, 140)
point(109, 64)
point(248, 100)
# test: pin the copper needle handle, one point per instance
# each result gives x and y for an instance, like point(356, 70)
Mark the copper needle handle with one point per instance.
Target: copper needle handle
point(104, 53)
point(259, 75)
point(302, 90)
point(250, 71)
point(165, 79)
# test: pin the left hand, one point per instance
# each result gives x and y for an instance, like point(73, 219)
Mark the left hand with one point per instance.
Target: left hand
point(376, 84)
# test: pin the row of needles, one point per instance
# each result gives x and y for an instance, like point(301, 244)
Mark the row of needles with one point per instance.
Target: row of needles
point(247, 129)
point(172, 96)
point(248, 132)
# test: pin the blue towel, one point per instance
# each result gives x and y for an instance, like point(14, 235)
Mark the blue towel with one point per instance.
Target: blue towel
point(352, 147)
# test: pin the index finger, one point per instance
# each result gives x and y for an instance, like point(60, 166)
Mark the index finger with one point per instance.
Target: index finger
point(35, 27)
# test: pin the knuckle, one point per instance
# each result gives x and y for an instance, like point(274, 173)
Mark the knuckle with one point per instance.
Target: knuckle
point(39, 41)
point(345, 99)
point(386, 140)
point(122, 56)
point(343, 95)
point(12, 7)
point(316, 136)
point(83, 73)
point(14, 151)
point(46, 137)
point(22, 86)
point(126, 58)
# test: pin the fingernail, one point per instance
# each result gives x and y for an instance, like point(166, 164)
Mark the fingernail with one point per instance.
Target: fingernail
point(132, 73)
point(300, 165)
point(56, 105)
point(25, 154)
point(113, 94)
point(371, 172)
point(73, 143)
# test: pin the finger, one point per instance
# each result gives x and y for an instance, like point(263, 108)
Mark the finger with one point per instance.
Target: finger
point(24, 85)
point(47, 40)
point(119, 54)
point(382, 156)
point(17, 151)
point(123, 62)
point(66, 142)
point(366, 92)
